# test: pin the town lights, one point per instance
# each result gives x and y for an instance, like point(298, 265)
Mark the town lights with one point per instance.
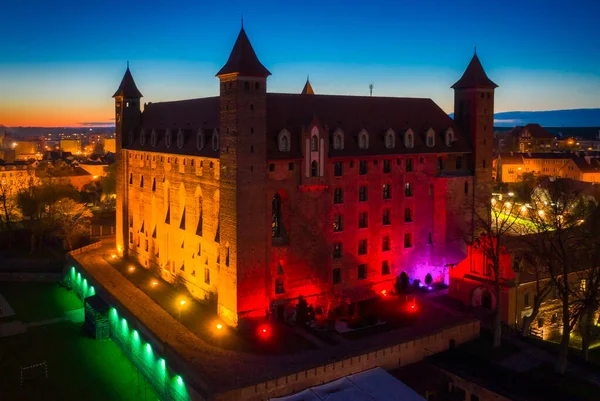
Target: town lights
point(154, 283)
point(511, 194)
point(219, 326)
point(131, 269)
point(541, 212)
point(114, 256)
point(507, 204)
point(181, 304)
point(523, 208)
point(384, 293)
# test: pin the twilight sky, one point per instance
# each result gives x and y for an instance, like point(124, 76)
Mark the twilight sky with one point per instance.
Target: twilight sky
point(61, 61)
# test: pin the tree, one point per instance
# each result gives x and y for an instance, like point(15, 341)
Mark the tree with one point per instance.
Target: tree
point(496, 219)
point(109, 181)
point(72, 220)
point(531, 264)
point(558, 210)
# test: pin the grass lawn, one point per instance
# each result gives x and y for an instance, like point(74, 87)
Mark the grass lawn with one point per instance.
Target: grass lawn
point(79, 367)
point(39, 301)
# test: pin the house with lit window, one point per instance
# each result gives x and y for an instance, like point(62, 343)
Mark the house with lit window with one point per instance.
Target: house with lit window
point(255, 198)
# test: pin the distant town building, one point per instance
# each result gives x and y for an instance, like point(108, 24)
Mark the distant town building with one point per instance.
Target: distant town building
point(71, 145)
point(530, 138)
point(581, 166)
point(110, 145)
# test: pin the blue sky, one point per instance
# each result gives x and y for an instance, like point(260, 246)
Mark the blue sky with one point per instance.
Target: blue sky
point(61, 61)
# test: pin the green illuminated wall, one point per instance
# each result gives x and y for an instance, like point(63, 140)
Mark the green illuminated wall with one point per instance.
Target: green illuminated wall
point(168, 386)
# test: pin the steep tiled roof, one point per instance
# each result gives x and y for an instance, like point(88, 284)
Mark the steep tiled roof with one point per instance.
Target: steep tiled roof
point(128, 88)
point(535, 130)
point(474, 77)
point(295, 112)
point(511, 158)
point(587, 165)
point(243, 60)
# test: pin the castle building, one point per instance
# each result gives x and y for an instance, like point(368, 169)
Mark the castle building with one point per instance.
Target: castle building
point(254, 198)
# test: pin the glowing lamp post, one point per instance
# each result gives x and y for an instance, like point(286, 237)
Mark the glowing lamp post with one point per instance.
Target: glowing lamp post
point(181, 304)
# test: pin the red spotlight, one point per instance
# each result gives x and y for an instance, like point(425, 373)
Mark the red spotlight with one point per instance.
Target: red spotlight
point(384, 293)
point(264, 331)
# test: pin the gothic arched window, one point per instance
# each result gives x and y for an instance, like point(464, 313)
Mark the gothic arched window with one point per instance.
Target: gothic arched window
point(338, 140)
point(200, 140)
point(153, 138)
point(168, 139)
point(276, 217)
point(314, 169)
point(215, 141)
point(390, 139)
point(314, 143)
point(180, 139)
point(430, 138)
point(142, 137)
point(284, 141)
point(409, 140)
point(449, 137)
point(363, 140)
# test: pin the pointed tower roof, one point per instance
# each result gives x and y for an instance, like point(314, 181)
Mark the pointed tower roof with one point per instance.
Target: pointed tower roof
point(307, 90)
point(243, 60)
point(128, 88)
point(474, 77)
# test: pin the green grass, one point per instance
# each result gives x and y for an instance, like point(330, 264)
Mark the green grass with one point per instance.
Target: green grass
point(79, 367)
point(39, 301)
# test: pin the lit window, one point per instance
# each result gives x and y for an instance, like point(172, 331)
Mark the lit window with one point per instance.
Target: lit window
point(387, 191)
point(407, 190)
point(338, 223)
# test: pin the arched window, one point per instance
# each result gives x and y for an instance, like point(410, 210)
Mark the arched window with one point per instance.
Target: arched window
point(363, 140)
point(390, 139)
point(168, 139)
point(153, 138)
point(430, 138)
point(200, 140)
point(180, 139)
point(314, 143)
point(314, 169)
point(142, 137)
point(409, 140)
point(449, 137)
point(466, 187)
point(338, 140)
point(284, 141)
point(276, 217)
point(215, 141)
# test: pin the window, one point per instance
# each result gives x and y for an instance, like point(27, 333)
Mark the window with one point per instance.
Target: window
point(430, 138)
point(408, 215)
point(363, 140)
point(279, 286)
point(276, 217)
point(409, 165)
point(337, 250)
point(246, 86)
point(180, 139)
point(387, 167)
point(271, 167)
point(385, 268)
point(338, 140)
point(130, 178)
point(257, 86)
point(385, 244)
point(338, 169)
point(554, 318)
point(458, 162)
point(337, 276)
point(449, 137)
point(362, 247)
point(540, 323)
point(362, 193)
point(429, 238)
point(314, 169)
point(466, 189)
point(363, 220)
point(407, 189)
point(291, 166)
point(215, 141)
point(390, 141)
point(386, 218)
point(338, 223)
point(407, 240)
point(200, 140)
point(142, 137)
point(284, 141)
point(338, 196)
point(168, 139)
point(314, 143)
point(362, 167)
point(142, 181)
point(483, 164)
point(387, 191)
point(206, 275)
point(409, 140)
point(153, 138)
point(362, 272)
point(440, 163)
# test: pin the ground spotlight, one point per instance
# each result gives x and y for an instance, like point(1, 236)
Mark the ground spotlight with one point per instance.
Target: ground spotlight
point(131, 269)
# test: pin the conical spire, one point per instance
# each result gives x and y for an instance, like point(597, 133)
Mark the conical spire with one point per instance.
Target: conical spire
point(308, 90)
point(243, 60)
point(474, 77)
point(128, 89)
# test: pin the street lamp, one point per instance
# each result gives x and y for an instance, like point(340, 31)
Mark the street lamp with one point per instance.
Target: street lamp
point(181, 303)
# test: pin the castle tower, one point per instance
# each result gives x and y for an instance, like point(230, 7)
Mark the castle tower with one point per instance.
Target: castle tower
point(243, 218)
point(127, 118)
point(474, 115)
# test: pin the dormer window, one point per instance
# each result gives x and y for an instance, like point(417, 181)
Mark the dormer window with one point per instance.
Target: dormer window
point(283, 141)
point(430, 138)
point(168, 139)
point(200, 140)
point(153, 138)
point(180, 139)
point(142, 137)
point(338, 140)
point(215, 140)
point(409, 139)
point(390, 139)
point(363, 140)
point(449, 137)
point(314, 143)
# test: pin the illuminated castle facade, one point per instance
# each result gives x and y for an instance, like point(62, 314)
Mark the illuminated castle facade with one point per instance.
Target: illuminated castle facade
point(255, 198)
